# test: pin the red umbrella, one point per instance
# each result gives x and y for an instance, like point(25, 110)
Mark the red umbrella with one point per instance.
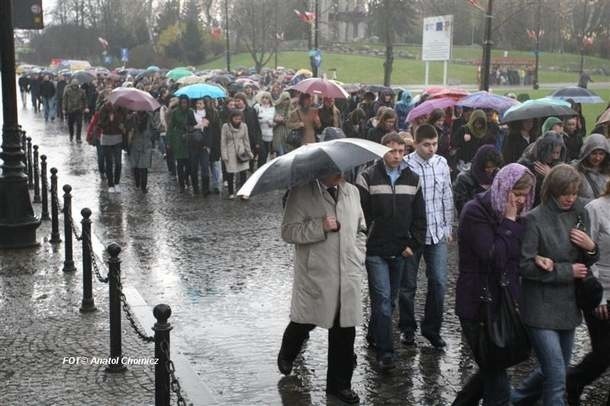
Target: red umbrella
point(133, 99)
point(322, 87)
point(436, 92)
point(428, 106)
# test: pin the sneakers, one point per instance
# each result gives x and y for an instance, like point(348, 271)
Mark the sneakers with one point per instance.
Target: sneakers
point(111, 189)
point(231, 197)
point(117, 188)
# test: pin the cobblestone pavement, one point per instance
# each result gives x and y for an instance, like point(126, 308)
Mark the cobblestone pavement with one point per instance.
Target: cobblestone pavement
point(42, 326)
point(223, 268)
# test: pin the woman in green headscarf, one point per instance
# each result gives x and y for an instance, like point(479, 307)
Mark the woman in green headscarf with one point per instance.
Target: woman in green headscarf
point(470, 136)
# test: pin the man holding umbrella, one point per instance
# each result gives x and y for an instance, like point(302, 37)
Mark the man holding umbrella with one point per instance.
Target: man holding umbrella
point(324, 220)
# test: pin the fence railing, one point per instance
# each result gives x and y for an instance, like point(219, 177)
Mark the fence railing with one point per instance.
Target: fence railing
point(165, 377)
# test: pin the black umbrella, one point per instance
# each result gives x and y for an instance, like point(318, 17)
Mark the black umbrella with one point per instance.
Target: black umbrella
point(83, 77)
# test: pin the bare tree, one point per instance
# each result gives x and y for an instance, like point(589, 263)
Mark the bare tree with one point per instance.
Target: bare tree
point(254, 28)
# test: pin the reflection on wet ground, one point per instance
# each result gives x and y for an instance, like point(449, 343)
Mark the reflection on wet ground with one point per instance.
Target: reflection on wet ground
point(224, 270)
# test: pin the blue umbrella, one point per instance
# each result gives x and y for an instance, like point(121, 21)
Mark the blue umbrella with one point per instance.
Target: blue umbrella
point(153, 68)
point(536, 109)
point(485, 100)
point(578, 94)
point(201, 90)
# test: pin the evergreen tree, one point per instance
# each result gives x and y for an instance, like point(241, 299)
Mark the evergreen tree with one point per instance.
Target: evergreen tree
point(192, 36)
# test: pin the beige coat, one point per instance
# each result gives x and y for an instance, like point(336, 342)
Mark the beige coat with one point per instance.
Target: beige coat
point(328, 267)
point(232, 142)
point(310, 121)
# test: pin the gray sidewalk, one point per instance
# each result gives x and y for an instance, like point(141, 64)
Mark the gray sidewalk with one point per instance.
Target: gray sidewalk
point(42, 325)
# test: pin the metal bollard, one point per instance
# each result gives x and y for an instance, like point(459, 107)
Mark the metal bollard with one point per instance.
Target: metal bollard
point(55, 238)
point(44, 188)
point(68, 258)
point(36, 176)
point(24, 147)
point(114, 278)
point(87, 305)
point(29, 161)
point(162, 312)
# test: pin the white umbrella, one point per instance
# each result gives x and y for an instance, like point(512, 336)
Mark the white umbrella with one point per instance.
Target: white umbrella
point(312, 161)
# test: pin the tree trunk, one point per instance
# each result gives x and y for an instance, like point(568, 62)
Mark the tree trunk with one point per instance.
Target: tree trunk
point(387, 65)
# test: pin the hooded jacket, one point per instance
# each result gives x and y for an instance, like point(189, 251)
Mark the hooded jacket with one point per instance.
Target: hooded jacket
point(593, 182)
point(74, 98)
point(402, 108)
point(468, 183)
point(541, 151)
point(549, 123)
point(467, 149)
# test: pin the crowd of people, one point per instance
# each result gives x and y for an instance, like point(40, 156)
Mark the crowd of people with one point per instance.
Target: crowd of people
point(531, 200)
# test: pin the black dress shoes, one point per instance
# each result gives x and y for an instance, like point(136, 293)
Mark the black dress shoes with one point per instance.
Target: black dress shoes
point(345, 395)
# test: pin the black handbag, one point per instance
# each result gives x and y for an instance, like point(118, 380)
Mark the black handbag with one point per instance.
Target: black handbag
point(589, 292)
point(503, 340)
point(295, 137)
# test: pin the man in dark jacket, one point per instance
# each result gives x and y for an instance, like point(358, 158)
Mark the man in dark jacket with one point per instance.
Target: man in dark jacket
point(395, 213)
point(61, 87)
point(24, 89)
point(35, 92)
point(47, 93)
point(74, 104)
point(251, 120)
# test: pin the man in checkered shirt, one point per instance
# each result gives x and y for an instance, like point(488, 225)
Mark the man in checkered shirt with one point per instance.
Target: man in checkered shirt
point(435, 181)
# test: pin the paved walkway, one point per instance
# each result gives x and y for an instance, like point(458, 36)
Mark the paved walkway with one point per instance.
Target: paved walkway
point(42, 327)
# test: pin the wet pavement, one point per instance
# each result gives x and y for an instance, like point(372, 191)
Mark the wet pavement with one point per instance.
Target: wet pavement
point(223, 268)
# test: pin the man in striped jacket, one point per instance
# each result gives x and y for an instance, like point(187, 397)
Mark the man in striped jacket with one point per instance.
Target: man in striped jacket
point(395, 213)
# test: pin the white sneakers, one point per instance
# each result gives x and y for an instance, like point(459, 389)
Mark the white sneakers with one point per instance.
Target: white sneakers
point(114, 189)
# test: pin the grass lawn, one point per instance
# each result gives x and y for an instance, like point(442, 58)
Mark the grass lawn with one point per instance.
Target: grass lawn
point(369, 69)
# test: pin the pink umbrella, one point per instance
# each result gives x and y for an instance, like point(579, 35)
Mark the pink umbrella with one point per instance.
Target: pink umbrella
point(426, 107)
point(133, 99)
point(322, 87)
point(437, 92)
point(247, 82)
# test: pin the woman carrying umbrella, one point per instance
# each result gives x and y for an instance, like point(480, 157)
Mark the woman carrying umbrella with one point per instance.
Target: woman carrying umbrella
point(520, 134)
point(235, 151)
point(112, 125)
point(593, 167)
point(305, 117)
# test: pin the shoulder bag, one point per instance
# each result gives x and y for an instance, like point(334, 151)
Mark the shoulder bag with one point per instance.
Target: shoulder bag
point(295, 136)
point(503, 340)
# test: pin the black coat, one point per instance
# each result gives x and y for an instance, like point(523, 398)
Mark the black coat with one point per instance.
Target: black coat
point(513, 147)
point(254, 129)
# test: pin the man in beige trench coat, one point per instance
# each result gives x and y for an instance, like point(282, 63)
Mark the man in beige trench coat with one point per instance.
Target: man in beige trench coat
point(324, 220)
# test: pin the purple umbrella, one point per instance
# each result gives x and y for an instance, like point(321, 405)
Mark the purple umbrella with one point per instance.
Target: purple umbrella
point(133, 99)
point(428, 106)
point(485, 100)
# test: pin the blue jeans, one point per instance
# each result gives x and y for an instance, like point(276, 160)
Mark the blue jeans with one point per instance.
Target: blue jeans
point(49, 107)
point(384, 281)
point(216, 170)
point(553, 349)
point(435, 256)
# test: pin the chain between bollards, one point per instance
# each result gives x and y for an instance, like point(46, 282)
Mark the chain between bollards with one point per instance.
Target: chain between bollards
point(36, 176)
point(44, 188)
point(55, 238)
point(29, 165)
point(88, 304)
point(114, 276)
point(68, 259)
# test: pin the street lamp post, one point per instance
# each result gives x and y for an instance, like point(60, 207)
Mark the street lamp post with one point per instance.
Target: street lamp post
point(538, 34)
point(487, 44)
point(18, 223)
point(316, 33)
point(227, 40)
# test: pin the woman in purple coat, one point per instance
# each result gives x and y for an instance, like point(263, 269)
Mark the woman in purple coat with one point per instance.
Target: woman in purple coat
point(489, 237)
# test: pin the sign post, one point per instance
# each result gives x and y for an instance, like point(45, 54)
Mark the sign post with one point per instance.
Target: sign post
point(124, 54)
point(437, 42)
